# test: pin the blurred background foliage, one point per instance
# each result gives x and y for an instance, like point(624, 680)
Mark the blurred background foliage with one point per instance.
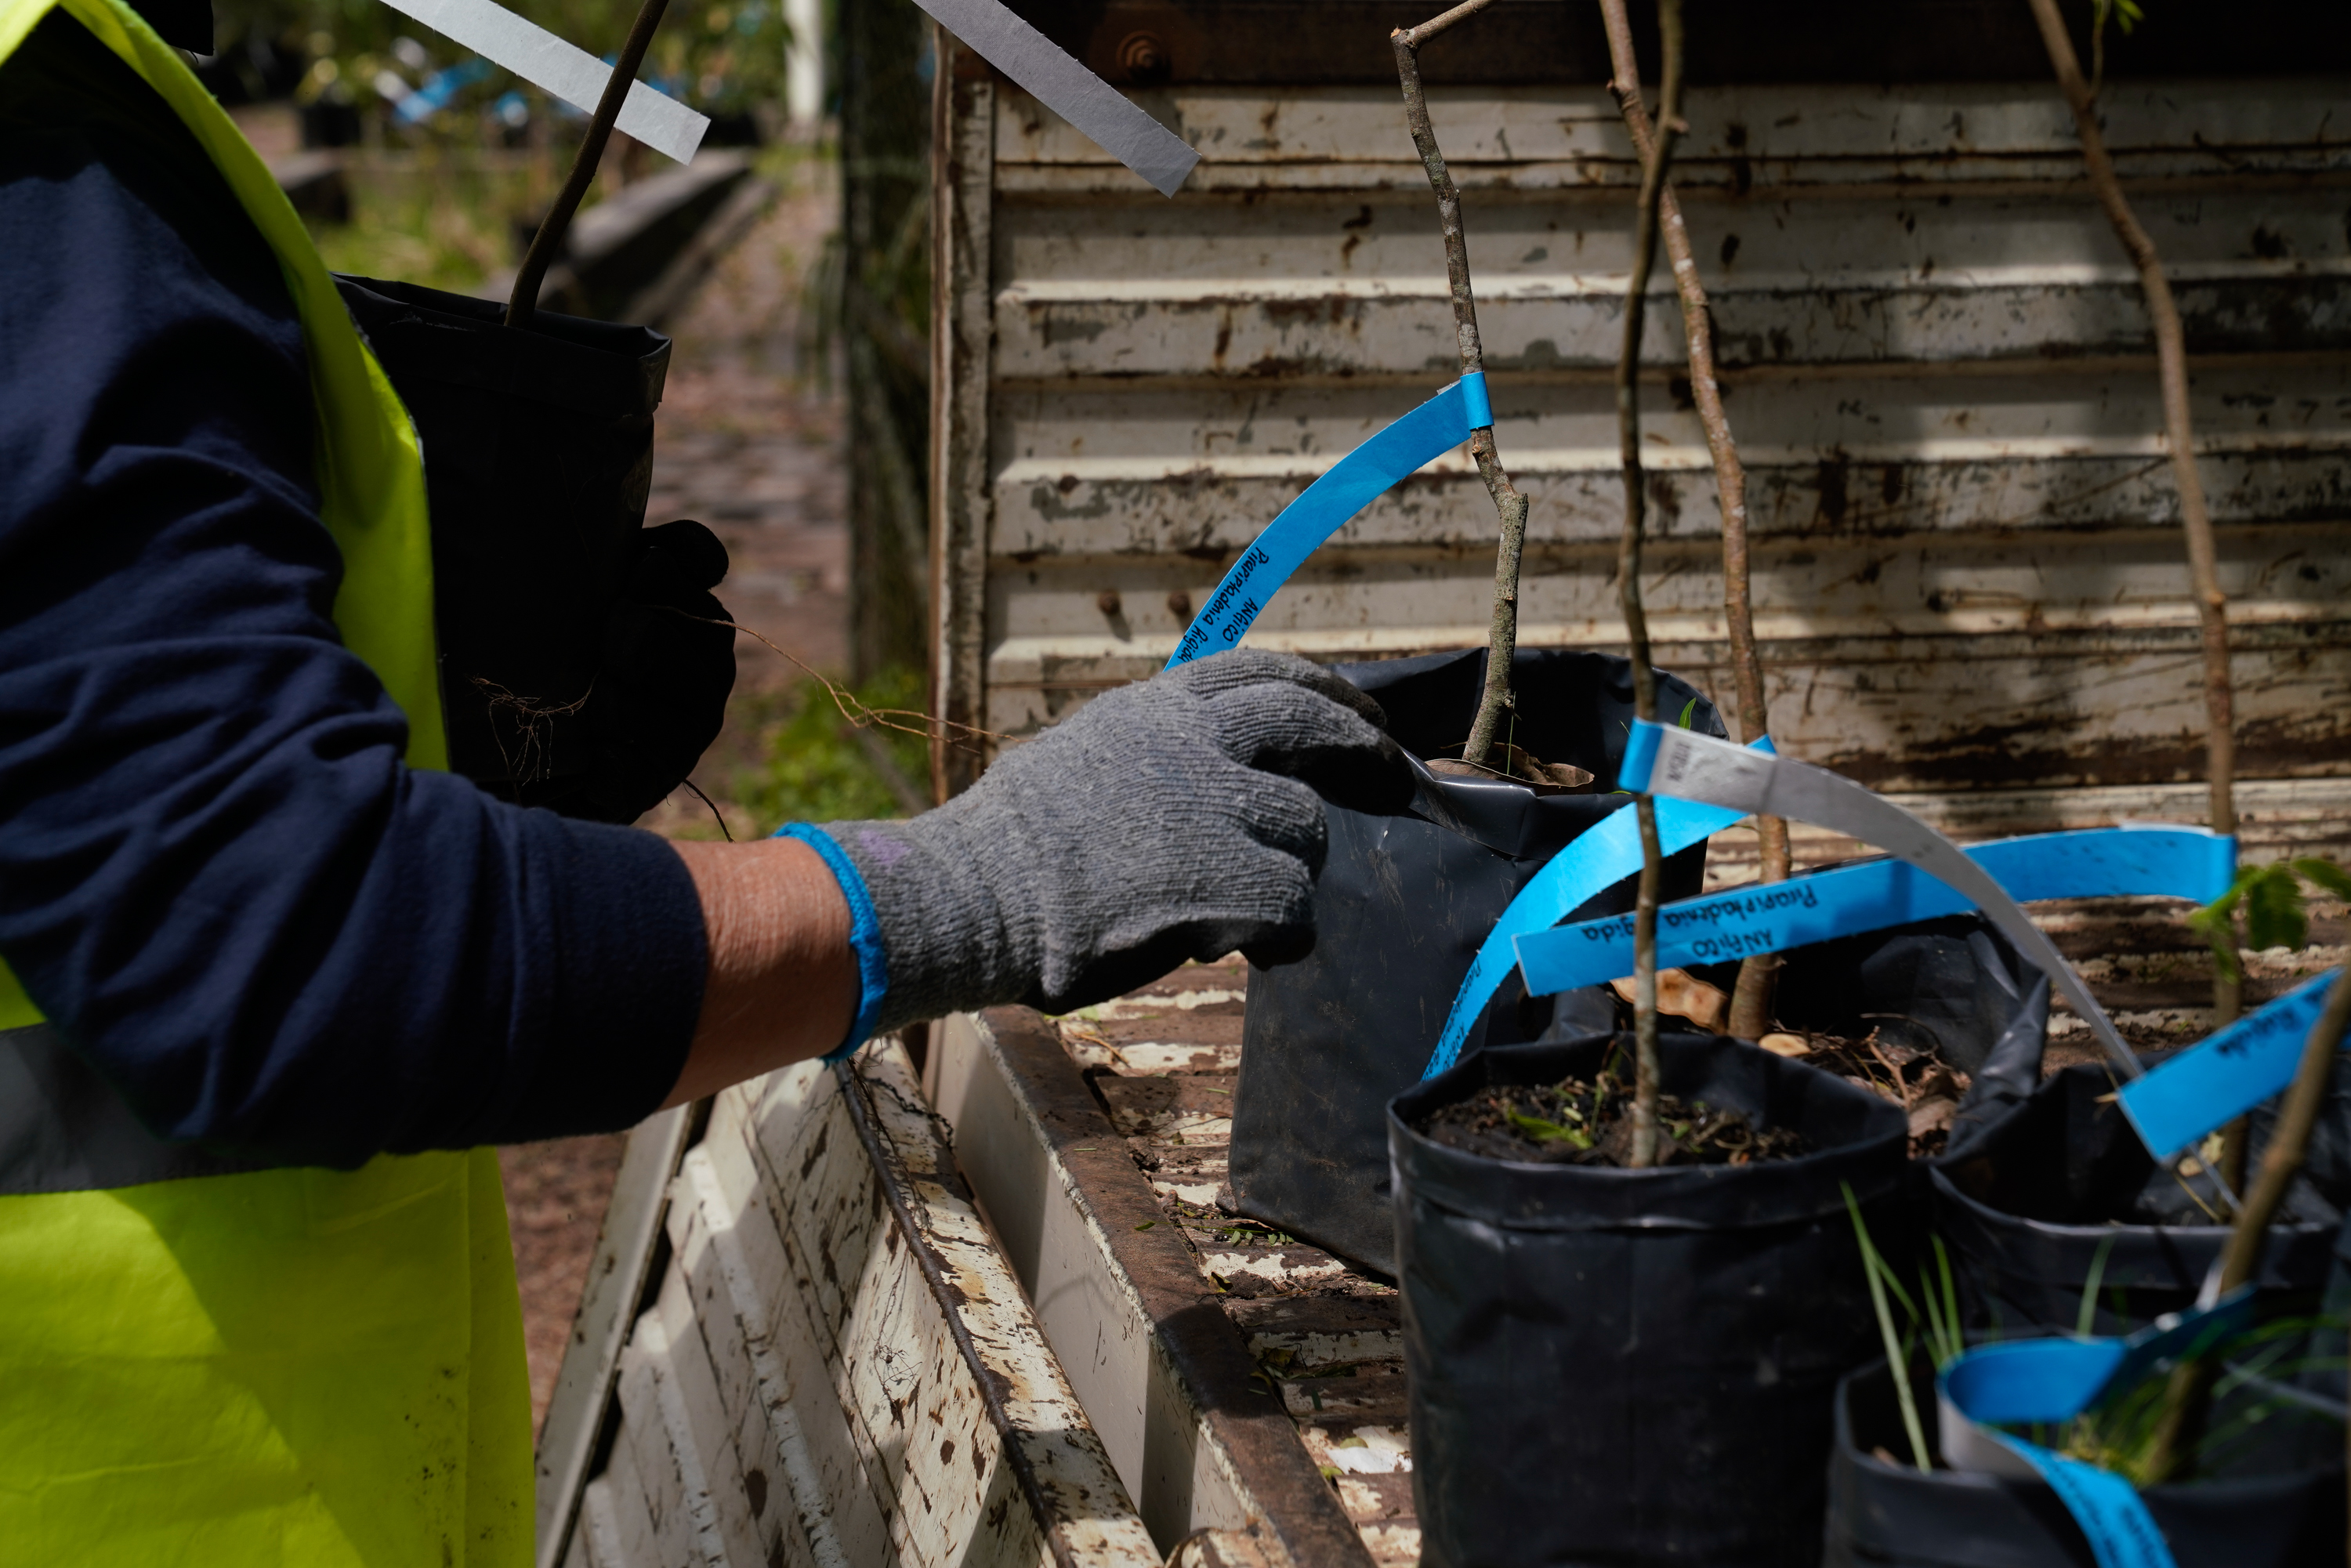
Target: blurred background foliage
point(363, 73)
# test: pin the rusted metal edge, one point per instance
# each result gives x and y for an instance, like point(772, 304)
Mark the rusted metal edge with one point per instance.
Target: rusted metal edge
point(893, 1175)
point(1205, 1352)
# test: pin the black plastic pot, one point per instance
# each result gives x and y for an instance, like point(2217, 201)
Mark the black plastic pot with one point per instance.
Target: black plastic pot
point(1400, 910)
point(2030, 1193)
point(537, 461)
point(1613, 1366)
point(1952, 984)
point(2278, 1506)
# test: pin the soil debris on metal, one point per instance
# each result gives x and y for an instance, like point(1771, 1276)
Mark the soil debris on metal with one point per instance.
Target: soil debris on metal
point(1164, 1061)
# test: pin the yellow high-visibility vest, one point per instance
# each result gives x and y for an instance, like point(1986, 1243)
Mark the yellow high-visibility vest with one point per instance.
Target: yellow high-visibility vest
point(280, 1366)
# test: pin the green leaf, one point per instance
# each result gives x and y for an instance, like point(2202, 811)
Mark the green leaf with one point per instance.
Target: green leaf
point(2324, 875)
point(2273, 912)
point(1546, 1131)
point(1688, 708)
point(2216, 922)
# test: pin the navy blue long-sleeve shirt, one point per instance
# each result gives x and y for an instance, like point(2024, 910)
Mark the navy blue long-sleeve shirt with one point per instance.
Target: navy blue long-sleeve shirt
point(217, 878)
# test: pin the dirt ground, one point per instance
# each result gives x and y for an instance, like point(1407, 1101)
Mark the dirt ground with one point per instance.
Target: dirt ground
point(751, 445)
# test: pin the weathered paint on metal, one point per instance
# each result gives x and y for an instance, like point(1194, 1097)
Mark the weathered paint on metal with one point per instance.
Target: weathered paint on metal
point(608, 1305)
point(838, 1370)
point(1197, 1431)
point(1108, 1199)
point(1968, 578)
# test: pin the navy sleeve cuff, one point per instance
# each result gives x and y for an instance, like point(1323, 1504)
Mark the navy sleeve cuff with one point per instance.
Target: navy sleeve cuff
point(630, 962)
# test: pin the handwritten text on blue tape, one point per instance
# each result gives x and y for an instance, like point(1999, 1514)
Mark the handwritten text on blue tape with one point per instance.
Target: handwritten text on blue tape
point(1419, 438)
point(2142, 860)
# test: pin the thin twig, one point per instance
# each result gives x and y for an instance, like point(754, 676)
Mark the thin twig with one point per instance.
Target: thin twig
point(2187, 1400)
point(1510, 505)
point(1750, 1001)
point(1628, 583)
point(859, 714)
point(715, 811)
point(2196, 520)
point(523, 303)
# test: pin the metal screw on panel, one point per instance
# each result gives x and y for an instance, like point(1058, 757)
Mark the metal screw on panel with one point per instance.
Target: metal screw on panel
point(1144, 56)
point(1179, 605)
point(1107, 602)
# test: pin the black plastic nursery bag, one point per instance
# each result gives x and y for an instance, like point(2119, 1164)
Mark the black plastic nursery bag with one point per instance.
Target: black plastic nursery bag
point(579, 669)
point(1400, 910)
point(2276, 1502)
point(1618, 1366)
point(1953, 985)
point(2037, 1196)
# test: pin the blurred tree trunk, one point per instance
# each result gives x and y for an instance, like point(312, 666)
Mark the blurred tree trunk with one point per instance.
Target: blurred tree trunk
point(883, 66)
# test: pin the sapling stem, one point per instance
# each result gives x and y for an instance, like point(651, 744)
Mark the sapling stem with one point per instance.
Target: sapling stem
point(523, 303)
point(1628, 584)
point(2186, 1400)
point(2180, 435)
point(1750, 1000)
point(1510, 505)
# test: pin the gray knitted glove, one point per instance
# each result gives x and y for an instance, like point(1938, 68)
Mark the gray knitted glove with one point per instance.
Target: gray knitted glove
point(1170, 819)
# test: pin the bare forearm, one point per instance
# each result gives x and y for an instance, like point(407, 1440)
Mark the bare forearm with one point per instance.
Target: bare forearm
point(783, 982)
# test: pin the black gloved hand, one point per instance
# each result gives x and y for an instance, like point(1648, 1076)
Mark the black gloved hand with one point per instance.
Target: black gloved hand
point(663, 683)
point(1175, 819)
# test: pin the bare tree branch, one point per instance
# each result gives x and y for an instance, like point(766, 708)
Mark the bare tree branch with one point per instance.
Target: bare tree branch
point(523, 303)
point(1628, 582)
point(1750, 1002)
point(1510, 505)
point(2178, 434)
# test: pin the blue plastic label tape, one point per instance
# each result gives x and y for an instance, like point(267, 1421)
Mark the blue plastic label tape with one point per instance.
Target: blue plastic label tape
point(2221, 1077)
point(1326, 506)
point(1607, 853)
point(1769, 917)
point(2050, 1380)
point(1691, 767)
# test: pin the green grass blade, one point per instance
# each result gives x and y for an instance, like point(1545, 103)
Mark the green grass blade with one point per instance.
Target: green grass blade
point(2089, 1313)
point(1897, 1363)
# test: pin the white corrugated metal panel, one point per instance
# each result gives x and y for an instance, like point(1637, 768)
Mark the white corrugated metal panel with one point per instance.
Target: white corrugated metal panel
point(838, 1369)
point(1967, 568)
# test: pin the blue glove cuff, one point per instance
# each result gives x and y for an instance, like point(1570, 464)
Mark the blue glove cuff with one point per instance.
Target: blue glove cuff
point(865, 935)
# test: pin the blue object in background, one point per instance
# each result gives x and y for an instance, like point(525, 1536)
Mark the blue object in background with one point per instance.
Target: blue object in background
point(433, 94)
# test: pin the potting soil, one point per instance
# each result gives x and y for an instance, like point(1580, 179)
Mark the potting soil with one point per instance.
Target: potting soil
point(1589, 1122)
point(1613, 1365)
point(1401, 908)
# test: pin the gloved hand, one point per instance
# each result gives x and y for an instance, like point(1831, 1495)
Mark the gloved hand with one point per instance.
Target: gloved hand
point(1170, 819)
point(662, 682)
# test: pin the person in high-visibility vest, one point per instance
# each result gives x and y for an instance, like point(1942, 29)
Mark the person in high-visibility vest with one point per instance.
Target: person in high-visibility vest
point(273, 981)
